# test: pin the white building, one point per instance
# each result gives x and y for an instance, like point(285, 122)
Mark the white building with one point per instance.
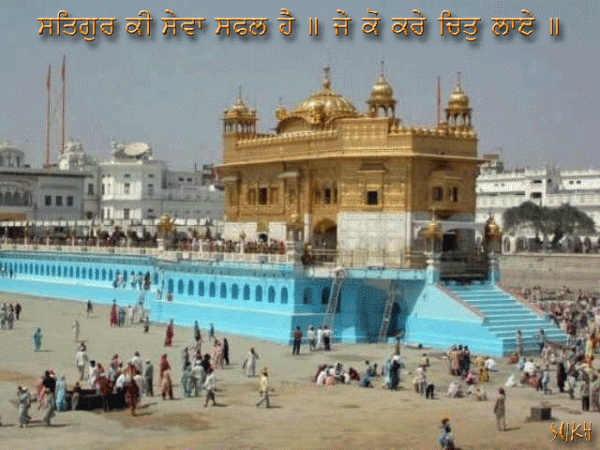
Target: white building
point(37, 194)
point(498, 190)
point(132, 185)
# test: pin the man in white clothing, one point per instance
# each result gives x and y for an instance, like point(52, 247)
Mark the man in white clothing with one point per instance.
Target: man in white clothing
point(320, 338)
point(81, 360)
point(311, 338)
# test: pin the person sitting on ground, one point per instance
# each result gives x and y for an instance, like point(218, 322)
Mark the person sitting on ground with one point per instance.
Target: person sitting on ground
point(424, 361)
point(320, 369)
point(353, 374)
point(455, 390)
point(321, 377)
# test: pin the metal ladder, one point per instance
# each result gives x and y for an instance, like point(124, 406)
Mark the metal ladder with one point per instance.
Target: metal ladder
point(334, 297)
point(387, 312)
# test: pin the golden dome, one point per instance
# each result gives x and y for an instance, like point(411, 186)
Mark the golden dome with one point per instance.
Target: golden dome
point(492, 230)
point(239, 110)
point(382, 90)
point(324, 105)
point(458, 98)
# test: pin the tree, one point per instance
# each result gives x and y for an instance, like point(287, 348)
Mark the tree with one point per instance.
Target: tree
point(555, 222)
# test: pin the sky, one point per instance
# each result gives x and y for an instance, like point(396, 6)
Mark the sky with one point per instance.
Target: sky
point(535, 99)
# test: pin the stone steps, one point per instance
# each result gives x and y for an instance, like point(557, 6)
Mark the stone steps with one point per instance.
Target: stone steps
point(504, 315)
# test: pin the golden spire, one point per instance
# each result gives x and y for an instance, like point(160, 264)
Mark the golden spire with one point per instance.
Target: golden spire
point(326, 80)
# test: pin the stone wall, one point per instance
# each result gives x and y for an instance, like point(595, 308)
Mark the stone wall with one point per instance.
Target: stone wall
point(551, 271)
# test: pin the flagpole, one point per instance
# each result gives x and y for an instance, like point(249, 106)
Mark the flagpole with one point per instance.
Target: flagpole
point(438, 89)
point(47, 163)
point(62, 74)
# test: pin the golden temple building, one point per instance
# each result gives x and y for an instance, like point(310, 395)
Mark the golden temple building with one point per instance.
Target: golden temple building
point(338, 178)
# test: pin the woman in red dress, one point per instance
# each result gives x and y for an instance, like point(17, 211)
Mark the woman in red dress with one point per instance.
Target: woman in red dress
point(169, 335)
point(114, 316)
point(132, 390)
point(163, 366)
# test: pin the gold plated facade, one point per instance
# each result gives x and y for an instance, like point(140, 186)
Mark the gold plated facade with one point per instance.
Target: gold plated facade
point(327, 158)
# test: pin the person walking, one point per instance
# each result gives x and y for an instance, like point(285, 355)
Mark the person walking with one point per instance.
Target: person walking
point(147, 324)
point(250, 363)
point(10, 318)
point(166, 387)
point(148, 378)
point(310, 335)
point(541, 339)
point(326, 338)
point(584, 389)
point(37, 339)
point(170, 332)
point(17, 310)
point(500, 409)
point(49, 406)
point(186, 380)
point(320, 338)
point(446, 439)
point(297, 341)
point(81, 360)
point(561, 376)
point(519, 343)
point(264, 388)
point(198, 377)
point(210, 385)
point(226, 351)
point(89, 309)
point(211, 333)
point(197, 333)
point(114, 315)
point(76, 330)
point(163, 366)
point(24, 401)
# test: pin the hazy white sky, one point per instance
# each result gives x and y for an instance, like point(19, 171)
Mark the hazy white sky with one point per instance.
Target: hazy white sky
point(537, 98)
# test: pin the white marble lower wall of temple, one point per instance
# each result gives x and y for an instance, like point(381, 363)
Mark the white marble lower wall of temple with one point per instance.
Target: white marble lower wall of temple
point(373, 231)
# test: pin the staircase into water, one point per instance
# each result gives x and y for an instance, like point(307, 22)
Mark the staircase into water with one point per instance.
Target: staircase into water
point(504, 315)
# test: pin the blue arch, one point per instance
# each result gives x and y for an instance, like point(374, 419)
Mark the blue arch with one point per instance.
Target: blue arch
point(258, 294)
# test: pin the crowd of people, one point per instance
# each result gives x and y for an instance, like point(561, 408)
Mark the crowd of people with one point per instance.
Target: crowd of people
point(124, 382)
point(8, 314)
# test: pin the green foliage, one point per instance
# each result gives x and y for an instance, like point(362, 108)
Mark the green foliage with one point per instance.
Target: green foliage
point(555, 222)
